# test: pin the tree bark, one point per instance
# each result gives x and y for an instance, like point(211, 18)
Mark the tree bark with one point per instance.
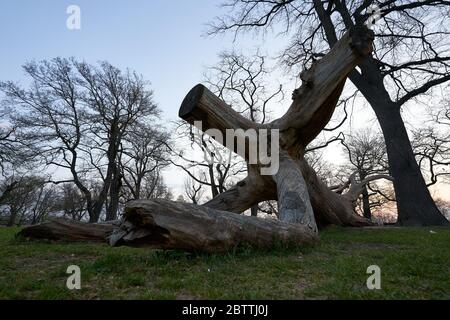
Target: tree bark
point(171, 225)
point(294, 204)
point(67, 230)
point(415, 205)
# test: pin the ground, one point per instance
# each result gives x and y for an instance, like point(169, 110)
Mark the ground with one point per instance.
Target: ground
point(414, 265)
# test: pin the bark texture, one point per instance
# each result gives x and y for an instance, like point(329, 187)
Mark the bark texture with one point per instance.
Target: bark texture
point(171, 225)
point(312, 108)
point(68, 230)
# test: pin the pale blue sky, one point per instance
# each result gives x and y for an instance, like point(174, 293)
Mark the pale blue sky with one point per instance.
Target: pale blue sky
point(160, 39)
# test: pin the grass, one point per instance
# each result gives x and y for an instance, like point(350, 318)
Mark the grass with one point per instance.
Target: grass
point(414, 265)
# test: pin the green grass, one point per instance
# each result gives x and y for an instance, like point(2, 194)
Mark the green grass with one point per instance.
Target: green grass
point(414, 264)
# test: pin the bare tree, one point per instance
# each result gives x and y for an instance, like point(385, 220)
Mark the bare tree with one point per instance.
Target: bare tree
point(366, 154)
point(242, 83)
point(409, 60)
point(12, 156)
point(30, 202)
point(74, 117)
point(72, 202)
point(117, 100)
point(7, 144)
point(432, 150)
point(144, 153)
point(217, 168)
point(193, 190)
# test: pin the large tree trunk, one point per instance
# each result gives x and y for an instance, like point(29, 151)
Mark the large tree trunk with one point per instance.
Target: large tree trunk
point(114, 192)
point(167, 225)
point(415, 205)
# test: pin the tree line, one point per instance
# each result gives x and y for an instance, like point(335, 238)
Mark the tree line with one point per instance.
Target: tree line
point(91, 129)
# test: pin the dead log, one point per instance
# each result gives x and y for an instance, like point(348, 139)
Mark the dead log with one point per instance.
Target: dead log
point(68, 230)
point(171, 225)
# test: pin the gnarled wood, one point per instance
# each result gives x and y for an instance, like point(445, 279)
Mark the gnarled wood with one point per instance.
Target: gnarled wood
point(313, 105)
point(171, 225)
point(294, 205)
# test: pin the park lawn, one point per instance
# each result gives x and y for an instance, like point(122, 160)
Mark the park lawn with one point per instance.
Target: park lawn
point(414, 262)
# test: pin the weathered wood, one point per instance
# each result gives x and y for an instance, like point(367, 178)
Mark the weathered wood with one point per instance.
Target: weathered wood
point(200, 104)
point(68, 230)
point(172, 225)
point(246, 193)
point(294, 205)
point(323, 83)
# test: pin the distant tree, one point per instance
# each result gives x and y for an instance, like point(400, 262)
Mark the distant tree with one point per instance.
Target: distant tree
point(72, 202)
point(215, 168)
point(8, 144)
point(144, 153)
point(432, 150)
point(366, 154)
point(12, 156)
point(74, 117)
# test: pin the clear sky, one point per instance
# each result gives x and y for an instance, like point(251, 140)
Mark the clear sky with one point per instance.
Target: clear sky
point(158, 38)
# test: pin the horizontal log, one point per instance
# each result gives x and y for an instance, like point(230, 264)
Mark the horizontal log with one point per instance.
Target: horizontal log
point(200, 104)
point(171, 225)
point(68, 230)
point(203, 107)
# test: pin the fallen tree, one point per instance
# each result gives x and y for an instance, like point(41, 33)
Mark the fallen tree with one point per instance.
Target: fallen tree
point(173, 225)
point(68, 230)
point(304, 201)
